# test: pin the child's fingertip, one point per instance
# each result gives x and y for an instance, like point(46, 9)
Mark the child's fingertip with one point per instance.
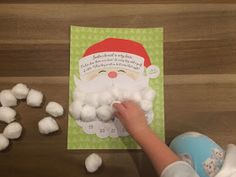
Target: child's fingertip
point(115, 103)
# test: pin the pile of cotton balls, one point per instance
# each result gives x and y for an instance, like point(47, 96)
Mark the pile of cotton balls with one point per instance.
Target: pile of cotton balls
point(34, 98)
point(89, 107)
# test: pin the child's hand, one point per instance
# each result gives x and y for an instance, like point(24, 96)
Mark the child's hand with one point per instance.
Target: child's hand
point(131, 116)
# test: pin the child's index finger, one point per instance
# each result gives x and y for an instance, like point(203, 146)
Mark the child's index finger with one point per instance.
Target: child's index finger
point(119, 108)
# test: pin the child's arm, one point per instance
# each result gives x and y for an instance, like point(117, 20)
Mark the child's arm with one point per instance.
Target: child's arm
point(133, 119)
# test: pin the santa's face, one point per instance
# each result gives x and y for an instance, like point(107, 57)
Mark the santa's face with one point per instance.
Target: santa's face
point(105, 79)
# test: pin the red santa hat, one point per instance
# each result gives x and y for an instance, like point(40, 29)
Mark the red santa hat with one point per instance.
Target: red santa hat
point(119, 45)
point(100, 55)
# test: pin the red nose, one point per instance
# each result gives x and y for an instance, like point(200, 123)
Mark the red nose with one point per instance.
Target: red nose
point(112, 74)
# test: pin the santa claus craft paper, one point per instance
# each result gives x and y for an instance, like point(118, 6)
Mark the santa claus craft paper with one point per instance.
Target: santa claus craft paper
point(110, 65)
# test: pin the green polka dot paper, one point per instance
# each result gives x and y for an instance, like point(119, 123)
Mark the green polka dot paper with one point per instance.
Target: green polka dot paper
point(83, 37)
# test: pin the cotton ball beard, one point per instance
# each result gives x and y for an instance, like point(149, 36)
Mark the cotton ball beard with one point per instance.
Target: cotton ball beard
point(47, 125)
point(117, 94)
point(79, 95)
point(7, 98)
point(148, 94)
point(93, 162)
point(146, 105)
point(137, 97)
point(75, 109)
point(7, 114)
point(4, 142)
point(88, 113)
point(20, 91)
point(105, 98)
point(13, 130)
point(54, 109)
point(92, 99)
point(34, 98)
point(105, 113)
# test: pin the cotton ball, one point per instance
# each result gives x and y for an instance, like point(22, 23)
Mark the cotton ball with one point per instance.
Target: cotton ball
point(12, 130)
point(47, 125)
point(92, 99)
point(34, 98)
point(20, 91)
point(79, 95)
point(88, 113)
point(4, 142)
point(7, 98)
point(146, 105)
point(55, 109)
point(7, 114)
point(105, 113)
point(136, 96)
point(148, 94)
point(75, 109)
point(127, 95)
point(93, 162)
point(105, 98)
point(117, 93)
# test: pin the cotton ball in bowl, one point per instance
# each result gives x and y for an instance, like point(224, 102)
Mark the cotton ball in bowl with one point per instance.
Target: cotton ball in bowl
point(146, 105)
point(47, 125)
point(75, 109)
point(4, 142)
point(7, 114)
point(54, 109)
point(20, 91)
point(7, 98)
point(148, 94)
point(105, 113)
point(34, 98)
point(88, 113)
point(93, 162)
point(12, 130)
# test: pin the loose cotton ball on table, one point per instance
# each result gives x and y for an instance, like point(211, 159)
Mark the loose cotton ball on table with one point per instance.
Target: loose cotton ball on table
point(12, 130)
point(7, 98)
point(7, 114)
point(20, 91)
point(47, 125)
point(88, 113)
point(55, 109)
point(93, 162)
point(34, 98)
point(4, 142)
point(75, 109)
point(105, 113)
